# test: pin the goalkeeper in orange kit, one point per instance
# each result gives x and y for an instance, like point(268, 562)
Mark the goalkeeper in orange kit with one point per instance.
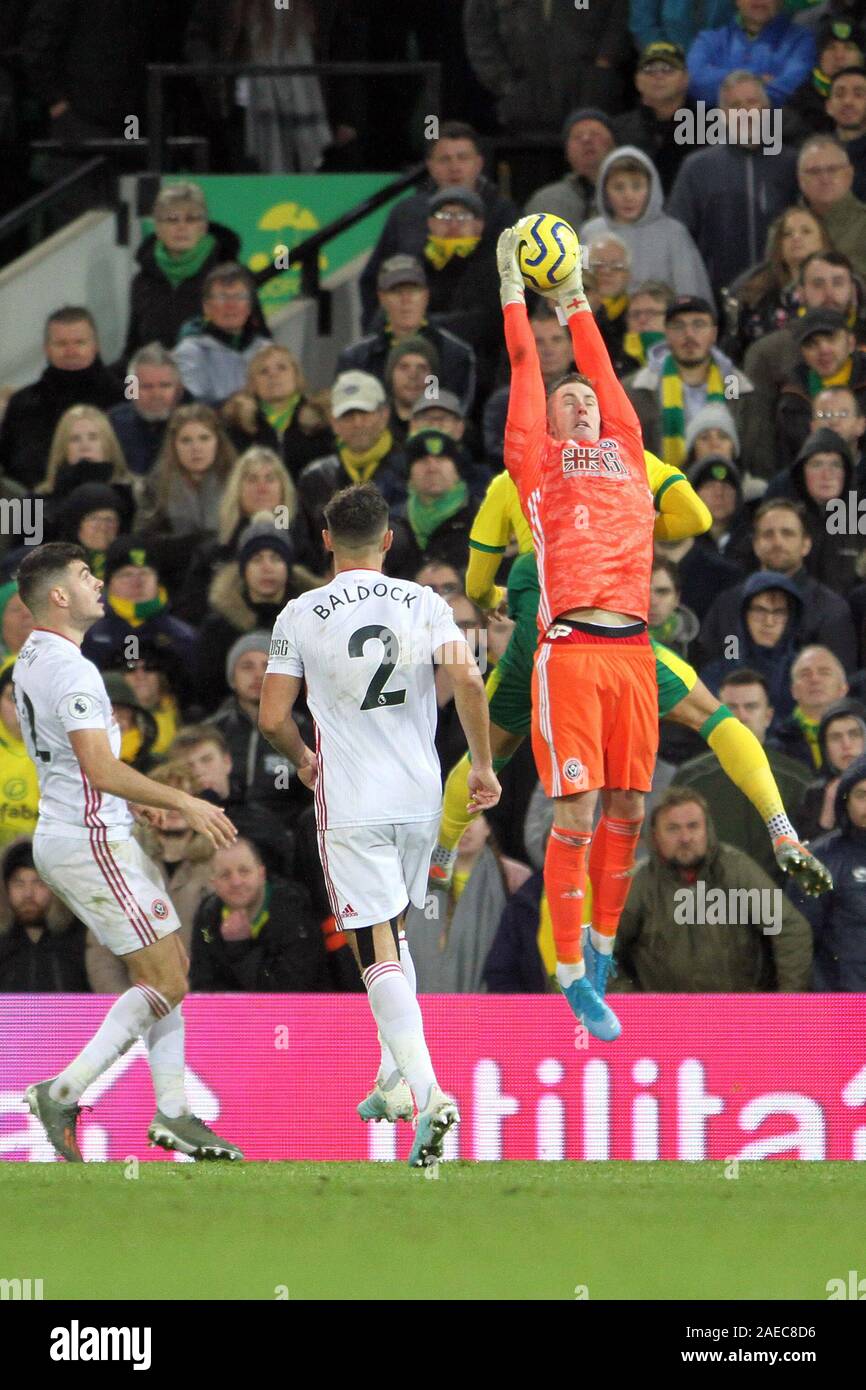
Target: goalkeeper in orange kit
point(576, 457)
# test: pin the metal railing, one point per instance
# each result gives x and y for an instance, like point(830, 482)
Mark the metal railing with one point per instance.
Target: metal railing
point(94, 176)
point(158, 73)
point(195, 149)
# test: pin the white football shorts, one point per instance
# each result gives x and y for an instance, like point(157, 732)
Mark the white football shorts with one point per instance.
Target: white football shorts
point(112, 887)
point(373, 871)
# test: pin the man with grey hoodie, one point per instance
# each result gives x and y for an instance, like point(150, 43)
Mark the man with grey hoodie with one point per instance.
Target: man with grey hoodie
point(631, 198)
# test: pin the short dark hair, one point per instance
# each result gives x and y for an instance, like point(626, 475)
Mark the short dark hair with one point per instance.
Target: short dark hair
point(678, 796)
point(746, 676)
point(837, 258)
point(44, 566)
point(788, 504)
point(70, 313)
point(543, 309)
point(458, 130)
point(226, 274)
point(567, 380)
point(655, 289)
point(357, 516)
point(671, 569)
point(852, 70)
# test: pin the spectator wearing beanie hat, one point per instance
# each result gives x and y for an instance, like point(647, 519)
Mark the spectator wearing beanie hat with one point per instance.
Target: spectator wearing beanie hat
point(443, 497)
point(824, 473)
point(256, 768)
point(137, 724)
point(589, 137)
point(718, 482)
point(404, 297)
point(19, 785)
point(41, 944)
point(842, 740)
point(410, 366)
point(92, 516)
point(136, 607)
point(246, 595)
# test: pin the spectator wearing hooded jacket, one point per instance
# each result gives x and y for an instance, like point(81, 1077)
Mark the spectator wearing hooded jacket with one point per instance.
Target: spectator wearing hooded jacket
point(838, 918)
point(75, 375)
point(842, 740)
point(246, 595)
point(631, 200)
point(759, 39)
point(781, 542)
point(41, 943)
point(214, 350)
point(817, 682)
point(746, 694)
point(828, 356)
point(411, 366)
point(765, 639)
point(675, 21)
point(174, 262)
point(718, 483)
point(666, 944)
point(728, 195)
point(137, 607)
point(822, 478)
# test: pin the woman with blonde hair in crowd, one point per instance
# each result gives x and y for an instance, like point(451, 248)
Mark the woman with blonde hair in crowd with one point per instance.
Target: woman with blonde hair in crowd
point(258, 482)
point(184, 860)
point(183, 491)
point(277, 410)
point(85, 449)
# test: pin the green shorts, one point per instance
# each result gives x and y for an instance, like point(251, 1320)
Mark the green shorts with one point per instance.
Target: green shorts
point(509, 690)
point(674, 677)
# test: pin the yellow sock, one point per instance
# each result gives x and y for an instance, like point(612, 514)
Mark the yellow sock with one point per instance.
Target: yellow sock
point(743, 760)
point(455, 816)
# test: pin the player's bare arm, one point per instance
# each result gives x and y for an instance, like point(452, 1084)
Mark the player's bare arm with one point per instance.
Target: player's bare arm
point(470, 699)
point(277, 725)
point(108, 774)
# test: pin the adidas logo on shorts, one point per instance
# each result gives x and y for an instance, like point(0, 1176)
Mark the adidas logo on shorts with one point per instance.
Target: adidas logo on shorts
point(348, 911)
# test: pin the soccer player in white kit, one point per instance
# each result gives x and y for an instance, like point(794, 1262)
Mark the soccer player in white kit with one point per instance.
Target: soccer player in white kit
point(367, 647)
point(83, 850)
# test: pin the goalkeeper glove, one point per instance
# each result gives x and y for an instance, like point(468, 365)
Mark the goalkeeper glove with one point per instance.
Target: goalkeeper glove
point(511, 288)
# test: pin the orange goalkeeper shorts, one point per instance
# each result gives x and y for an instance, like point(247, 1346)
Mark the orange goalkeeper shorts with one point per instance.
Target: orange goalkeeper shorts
point(595, 719)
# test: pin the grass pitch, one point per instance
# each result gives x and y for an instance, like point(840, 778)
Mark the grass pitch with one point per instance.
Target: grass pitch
point(779, 1230)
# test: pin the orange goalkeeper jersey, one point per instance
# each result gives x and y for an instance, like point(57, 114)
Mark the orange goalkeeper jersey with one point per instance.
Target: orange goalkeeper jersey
point(589, 505)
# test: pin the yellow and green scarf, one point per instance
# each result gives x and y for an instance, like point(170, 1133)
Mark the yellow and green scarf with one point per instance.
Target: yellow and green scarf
point(137, 613)
point(440, 249)
point(842, 378)
point(637, 345)
point(809, 729)
point(361, 467)
point(673, 414)
point(279, 414)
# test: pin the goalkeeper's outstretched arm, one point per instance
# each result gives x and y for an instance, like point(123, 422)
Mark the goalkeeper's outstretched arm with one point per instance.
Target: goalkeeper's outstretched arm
point(527, 402)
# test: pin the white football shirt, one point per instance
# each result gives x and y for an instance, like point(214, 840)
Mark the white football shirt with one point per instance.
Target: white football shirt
point(365, 643)
point(57, 690)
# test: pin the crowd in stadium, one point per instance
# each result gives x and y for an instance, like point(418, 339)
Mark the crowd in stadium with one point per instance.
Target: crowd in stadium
point(729, 282)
